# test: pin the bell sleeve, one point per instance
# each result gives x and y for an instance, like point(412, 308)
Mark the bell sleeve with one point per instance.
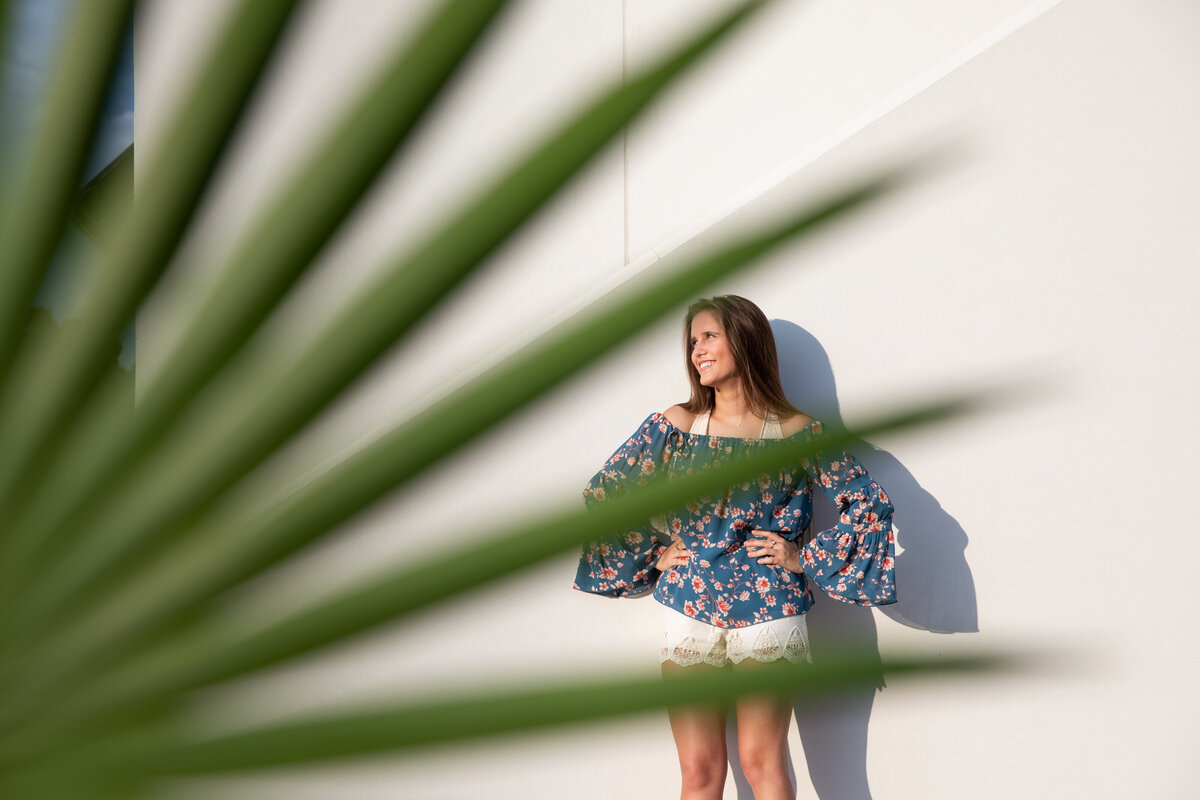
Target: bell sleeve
point(854, 561)
point(623, 565)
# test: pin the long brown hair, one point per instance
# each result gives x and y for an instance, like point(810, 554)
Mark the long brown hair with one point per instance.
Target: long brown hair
point(753, 347)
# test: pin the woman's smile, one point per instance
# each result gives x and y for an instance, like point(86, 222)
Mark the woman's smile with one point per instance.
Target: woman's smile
point(710, 350)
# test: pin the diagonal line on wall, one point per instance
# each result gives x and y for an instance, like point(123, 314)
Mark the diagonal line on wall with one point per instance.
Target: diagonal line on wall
point(906, 92)
point(633, 267)
point(706, 222)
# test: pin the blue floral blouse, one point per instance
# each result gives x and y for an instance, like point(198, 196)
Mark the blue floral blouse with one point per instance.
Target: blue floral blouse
point(721, 584)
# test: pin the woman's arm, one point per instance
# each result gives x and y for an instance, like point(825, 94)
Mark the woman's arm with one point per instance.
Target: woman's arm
point(626, 563)
point(854, 561)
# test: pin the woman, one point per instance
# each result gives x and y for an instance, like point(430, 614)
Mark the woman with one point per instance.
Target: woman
point(731, 570)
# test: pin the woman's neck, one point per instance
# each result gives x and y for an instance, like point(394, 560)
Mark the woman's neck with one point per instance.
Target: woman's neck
point(729, 402)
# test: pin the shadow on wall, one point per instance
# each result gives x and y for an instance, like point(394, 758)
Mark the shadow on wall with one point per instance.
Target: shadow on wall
point(934, 583)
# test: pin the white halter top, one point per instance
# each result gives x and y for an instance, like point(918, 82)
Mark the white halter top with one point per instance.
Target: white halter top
point(771, 427)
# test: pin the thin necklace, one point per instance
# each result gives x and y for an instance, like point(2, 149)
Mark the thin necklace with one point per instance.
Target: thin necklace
point(742, 418)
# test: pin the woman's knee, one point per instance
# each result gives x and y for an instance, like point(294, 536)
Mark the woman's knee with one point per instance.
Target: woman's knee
point(702, 769)
point(762, 759)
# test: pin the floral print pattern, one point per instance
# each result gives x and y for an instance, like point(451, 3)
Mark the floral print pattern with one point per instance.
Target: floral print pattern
point(720, 584)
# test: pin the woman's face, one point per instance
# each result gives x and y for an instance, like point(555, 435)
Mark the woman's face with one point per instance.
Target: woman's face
point(710, 353)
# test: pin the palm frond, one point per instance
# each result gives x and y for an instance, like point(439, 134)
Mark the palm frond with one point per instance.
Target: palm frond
point(120, 533)
point(270, 397)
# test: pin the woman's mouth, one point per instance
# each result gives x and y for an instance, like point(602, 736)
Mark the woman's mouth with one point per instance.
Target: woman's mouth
point(703, 365)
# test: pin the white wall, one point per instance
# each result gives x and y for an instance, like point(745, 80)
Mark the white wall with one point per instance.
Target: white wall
point(1060, 248)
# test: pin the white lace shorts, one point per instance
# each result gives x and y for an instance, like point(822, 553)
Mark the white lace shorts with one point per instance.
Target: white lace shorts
point(688, 642)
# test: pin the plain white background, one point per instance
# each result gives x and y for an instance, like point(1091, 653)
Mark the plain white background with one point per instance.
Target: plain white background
point(1055, 250)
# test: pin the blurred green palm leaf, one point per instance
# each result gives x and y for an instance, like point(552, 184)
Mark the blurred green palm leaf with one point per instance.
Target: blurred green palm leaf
point(114, 551)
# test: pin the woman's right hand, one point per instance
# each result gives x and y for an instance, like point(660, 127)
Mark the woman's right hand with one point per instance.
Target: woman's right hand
point(674, 555)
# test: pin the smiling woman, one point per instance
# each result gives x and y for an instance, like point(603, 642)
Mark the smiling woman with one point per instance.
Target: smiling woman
point(731, 353)
point(730, 569)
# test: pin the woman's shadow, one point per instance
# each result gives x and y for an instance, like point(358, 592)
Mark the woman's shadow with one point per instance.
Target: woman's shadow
point(934, 584)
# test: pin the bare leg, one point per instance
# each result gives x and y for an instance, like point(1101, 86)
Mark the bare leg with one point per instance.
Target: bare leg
point(700, 739)
point(762, 728)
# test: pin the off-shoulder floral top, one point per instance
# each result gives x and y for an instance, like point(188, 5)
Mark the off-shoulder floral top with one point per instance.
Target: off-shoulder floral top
point(854, 561)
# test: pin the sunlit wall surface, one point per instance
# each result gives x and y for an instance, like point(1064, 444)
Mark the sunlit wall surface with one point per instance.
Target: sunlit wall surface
point(1053, 248)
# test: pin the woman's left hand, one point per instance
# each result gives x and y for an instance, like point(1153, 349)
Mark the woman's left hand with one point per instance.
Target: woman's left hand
point(771, 548)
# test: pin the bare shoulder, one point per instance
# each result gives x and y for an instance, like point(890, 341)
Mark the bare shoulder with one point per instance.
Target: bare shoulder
point(795, 424)
point(680, 417)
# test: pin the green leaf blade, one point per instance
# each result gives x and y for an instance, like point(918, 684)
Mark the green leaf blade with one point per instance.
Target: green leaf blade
point(424, 724)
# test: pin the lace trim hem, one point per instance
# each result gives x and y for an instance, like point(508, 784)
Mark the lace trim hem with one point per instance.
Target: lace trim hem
point(689, 651)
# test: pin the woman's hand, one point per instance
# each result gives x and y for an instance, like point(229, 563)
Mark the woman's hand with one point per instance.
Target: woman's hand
point(771, 548)
point(673, 556)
